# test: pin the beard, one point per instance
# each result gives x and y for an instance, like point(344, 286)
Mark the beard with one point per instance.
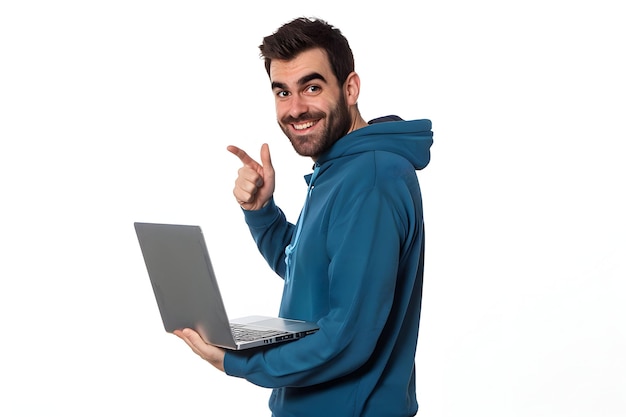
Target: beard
point(337, 125)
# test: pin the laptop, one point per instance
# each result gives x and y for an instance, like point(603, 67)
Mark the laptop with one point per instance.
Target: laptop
point(187, 294)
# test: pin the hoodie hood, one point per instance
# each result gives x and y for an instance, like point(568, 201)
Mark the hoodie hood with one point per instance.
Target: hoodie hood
point(409, 138)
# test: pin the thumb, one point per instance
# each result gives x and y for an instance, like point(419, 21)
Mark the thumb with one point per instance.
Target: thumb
point(266, 158)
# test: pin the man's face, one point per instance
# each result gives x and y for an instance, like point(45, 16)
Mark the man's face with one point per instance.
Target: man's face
point(310, 104)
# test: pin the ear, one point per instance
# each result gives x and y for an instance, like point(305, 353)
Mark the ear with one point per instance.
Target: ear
point(352, 88)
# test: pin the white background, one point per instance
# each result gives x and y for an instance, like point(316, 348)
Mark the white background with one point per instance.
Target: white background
point(119, 111)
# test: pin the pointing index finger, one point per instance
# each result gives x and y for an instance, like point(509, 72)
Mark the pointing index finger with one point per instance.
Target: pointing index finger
point(242, 155)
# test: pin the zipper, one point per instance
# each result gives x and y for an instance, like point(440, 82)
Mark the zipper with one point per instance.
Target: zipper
point(294, 242)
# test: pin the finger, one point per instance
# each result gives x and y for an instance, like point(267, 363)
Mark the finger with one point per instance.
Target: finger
point(250, 175)
point(192, 339)
point(184, 338)
point(266, 158)
point(242, 155)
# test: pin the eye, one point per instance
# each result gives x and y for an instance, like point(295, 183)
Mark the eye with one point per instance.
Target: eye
point(313, 89)
point(282, 94)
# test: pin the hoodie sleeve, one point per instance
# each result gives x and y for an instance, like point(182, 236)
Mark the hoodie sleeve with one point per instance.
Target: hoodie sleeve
point(272, 232)
point(364, 244)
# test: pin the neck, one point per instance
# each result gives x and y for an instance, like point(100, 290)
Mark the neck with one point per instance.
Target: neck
point(357, 120)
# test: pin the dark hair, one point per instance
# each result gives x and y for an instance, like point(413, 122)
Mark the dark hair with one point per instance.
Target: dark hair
point(302, 34)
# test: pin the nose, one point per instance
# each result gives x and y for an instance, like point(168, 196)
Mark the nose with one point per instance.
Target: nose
point(297, 106)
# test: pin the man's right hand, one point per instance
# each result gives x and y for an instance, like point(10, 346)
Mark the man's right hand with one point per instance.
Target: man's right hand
point(256, 182)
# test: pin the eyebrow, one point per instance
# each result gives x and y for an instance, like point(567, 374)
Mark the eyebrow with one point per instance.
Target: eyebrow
point(305, 79)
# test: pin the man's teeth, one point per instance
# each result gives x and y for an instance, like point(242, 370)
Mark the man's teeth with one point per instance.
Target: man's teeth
point(303, 125)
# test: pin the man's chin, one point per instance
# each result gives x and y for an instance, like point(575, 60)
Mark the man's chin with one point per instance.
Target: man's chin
point(302, 150)
point(302, 146)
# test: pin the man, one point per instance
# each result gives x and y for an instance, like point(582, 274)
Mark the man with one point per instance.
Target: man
point(353, 263)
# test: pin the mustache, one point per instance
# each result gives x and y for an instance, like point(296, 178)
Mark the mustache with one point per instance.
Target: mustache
point(302, 118)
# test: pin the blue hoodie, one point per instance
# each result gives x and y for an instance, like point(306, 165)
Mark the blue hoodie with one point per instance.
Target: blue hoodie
point(354, 264)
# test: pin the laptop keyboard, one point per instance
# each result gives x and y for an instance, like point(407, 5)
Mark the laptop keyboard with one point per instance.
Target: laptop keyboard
point(243, 334)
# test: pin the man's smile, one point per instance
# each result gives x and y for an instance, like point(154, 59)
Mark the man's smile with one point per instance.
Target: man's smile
point(304, 125)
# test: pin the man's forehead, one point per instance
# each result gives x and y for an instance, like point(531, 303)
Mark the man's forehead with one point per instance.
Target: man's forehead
point(312, 61)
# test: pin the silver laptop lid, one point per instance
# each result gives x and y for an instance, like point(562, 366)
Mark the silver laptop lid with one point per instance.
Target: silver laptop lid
point(183, 281)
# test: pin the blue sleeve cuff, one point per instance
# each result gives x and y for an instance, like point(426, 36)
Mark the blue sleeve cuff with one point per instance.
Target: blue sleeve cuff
point(263, 217)
point(233, 364)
